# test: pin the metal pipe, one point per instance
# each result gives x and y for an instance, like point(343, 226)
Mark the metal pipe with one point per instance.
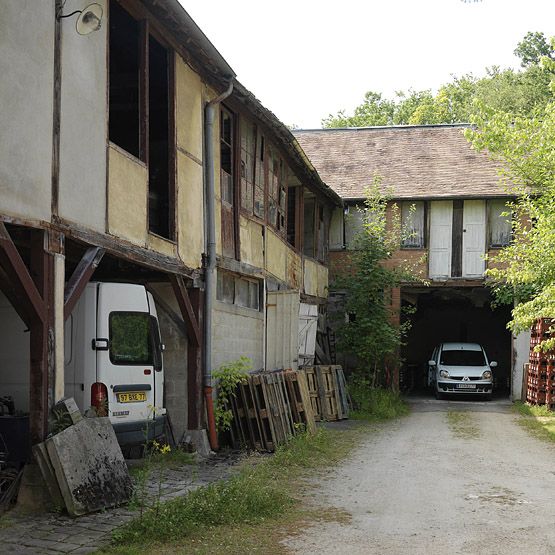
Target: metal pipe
point(210, 270)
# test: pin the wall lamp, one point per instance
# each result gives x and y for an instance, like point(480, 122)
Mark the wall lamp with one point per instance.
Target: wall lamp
point(89, 20)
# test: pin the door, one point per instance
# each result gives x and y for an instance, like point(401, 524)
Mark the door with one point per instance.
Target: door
point(282, 329)
point(308, 326)
point(125, 351)
point(474, 238)
point(441, 230)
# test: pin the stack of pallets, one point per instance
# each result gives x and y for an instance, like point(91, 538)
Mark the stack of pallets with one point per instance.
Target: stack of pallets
point(540, 389)
point(328, 392)
point(269, 408)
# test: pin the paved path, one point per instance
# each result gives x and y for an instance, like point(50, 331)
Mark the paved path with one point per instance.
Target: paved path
point(469, 482)
point(54, 533)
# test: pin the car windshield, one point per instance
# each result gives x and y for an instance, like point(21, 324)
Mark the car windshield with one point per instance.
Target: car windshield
point(463, 358)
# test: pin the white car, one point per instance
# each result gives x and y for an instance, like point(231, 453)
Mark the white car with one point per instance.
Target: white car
point(460, 368)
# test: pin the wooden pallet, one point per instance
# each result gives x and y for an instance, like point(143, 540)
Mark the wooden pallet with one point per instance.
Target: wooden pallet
point(299, 396)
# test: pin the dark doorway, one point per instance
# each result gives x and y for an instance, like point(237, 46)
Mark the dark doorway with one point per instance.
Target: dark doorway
point(454, 314)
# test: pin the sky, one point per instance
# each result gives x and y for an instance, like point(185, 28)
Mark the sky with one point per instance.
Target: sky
point(306, 59)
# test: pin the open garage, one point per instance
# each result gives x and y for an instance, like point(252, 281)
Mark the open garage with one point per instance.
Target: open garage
point(460, 314)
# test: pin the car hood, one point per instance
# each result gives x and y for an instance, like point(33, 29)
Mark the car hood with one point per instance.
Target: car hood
point(464, 370)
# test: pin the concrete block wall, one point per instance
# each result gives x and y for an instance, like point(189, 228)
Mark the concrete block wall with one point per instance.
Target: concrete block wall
point(237, 332)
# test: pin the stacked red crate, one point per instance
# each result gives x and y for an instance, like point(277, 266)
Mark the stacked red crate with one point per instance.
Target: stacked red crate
point(541, 372)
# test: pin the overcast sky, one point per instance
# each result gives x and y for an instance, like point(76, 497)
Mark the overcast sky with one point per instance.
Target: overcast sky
point(305, 59)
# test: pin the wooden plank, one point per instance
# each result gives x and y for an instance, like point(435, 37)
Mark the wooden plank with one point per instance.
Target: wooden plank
point(20, 278)
point(189, 317)
point(80, 277)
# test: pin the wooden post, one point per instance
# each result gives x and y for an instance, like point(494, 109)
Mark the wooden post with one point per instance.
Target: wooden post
point(191, 311)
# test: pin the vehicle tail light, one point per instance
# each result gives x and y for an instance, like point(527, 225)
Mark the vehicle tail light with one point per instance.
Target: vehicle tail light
point(99, 398)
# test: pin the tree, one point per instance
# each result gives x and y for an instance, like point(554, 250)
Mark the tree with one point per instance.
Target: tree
point(525, 147)
point(518, 92)
point(532, 48)
point(370, 332)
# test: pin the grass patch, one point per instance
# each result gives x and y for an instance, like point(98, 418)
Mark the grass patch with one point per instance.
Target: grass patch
point(462, 425)
point(537, 419)
point(249, 513)
point(375, 403)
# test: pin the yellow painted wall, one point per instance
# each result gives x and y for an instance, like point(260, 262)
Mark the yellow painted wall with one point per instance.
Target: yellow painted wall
point(315, 278)
point(161, 245)
point(252, 242)
point(294, 269)
point(190, 210)
point(276, 255)
point(188, 109)
point(127, 197)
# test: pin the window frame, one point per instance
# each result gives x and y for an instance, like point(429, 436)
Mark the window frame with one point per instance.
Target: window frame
point(409, 204)
point(489, 213)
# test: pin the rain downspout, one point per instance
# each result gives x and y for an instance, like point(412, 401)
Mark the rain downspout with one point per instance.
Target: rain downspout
point(210, 270)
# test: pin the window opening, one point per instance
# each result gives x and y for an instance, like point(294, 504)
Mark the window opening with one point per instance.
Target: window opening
point(248, 157)
point(500, 226)
point(160, 216)
point(130, 338)
point(309, 221)
point(124, 97)
point(259, 176)
point(413, 226)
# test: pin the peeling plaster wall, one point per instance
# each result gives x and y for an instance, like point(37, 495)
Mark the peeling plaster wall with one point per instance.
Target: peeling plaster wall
point(127, 196)
point(315, 279)
point(252, 242)
point(26, 90)
point(83, 123)
point(276, 255)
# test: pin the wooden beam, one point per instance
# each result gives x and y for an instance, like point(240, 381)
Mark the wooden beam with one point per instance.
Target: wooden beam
point(194, 370)
point(189, 316)
point(80, 277)
point(20, 278)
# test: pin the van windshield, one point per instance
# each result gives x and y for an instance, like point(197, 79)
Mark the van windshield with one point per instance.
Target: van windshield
point(462, 358)
point(130, 338)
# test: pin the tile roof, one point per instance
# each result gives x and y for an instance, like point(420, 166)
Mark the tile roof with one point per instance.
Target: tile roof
point(430, 161)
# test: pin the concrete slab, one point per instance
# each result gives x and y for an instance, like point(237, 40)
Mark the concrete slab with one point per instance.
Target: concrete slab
point(89, 466)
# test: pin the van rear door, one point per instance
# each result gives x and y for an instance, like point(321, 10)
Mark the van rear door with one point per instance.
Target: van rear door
point(125, 351)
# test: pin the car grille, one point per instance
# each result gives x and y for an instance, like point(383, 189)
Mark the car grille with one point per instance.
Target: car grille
point(470, 378)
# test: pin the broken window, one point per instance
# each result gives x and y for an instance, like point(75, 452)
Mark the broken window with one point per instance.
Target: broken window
point(141, 109)
point(238, 290)
point(499, 223)
point(227, 181)
point(248, 157)
point(413, 225)
point(260, 176)
point(277, 192)
point(309, 225)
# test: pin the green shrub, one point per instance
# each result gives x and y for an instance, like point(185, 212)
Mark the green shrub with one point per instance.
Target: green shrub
point(374, 403)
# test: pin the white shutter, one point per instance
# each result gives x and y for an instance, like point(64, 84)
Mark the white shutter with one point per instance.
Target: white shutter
point(282, 330)
point(474, 238)
point(441, 230)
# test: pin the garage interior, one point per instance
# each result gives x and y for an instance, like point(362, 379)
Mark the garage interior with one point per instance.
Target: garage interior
point(464, 314)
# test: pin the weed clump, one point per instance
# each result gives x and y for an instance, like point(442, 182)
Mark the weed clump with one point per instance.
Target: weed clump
point(375, 403)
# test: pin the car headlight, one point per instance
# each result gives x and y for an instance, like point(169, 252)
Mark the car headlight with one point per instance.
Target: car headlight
point(486, 375)
point(443, 374)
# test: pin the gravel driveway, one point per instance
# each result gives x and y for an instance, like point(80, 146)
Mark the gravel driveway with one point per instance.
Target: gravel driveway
point(453, 477)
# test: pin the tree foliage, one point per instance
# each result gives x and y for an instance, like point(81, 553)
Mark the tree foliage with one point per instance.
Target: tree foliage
point(370, 332)
point(525, 147)
point(516, 92)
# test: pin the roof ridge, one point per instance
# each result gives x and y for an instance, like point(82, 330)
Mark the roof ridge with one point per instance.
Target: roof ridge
point(380, 127)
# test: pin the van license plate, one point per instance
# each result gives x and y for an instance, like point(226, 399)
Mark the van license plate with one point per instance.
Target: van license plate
point(466, 386)
point(131, 397)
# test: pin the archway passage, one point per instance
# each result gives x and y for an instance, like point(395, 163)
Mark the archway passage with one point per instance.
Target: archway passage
point(463, 314)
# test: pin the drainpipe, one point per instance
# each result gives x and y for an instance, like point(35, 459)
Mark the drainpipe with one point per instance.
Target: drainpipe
point(210, 270)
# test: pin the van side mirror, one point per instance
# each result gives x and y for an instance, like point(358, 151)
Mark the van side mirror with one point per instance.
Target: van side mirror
point(493, 364)
point(431, 363)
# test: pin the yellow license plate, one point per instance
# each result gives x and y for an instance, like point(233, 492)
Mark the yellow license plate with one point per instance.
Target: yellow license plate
point(132, 397)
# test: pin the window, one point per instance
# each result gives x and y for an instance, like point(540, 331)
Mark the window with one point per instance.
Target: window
point(130, 338)
point(259, 176)
point(354, 224)
point(293, 208)
point(309, 225)
point(248, 157)
point(277, 192)
point(227, 182)
point(500, 226)
point(413, 225)
point(238, 290)
point(141, 110)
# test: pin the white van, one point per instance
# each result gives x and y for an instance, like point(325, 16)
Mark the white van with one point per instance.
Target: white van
point(113, 359)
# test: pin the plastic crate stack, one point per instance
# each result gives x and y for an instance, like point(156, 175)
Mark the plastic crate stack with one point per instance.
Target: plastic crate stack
point(541, 370)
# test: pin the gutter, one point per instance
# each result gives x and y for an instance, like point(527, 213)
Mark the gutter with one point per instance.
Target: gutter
point(210, 270)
